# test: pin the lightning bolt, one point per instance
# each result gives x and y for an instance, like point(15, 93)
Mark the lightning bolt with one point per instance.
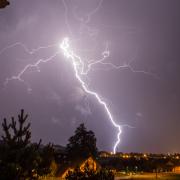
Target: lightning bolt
point(36, 65)
point(28, 66)
point(78, 67)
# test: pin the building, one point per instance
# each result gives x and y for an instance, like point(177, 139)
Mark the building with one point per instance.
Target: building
point(81, 164)
point(176, 169)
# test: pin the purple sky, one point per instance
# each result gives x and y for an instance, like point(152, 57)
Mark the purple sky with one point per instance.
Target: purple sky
point(143, 32)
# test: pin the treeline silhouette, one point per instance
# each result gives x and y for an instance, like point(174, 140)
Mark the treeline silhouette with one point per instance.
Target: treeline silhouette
point(20, 159)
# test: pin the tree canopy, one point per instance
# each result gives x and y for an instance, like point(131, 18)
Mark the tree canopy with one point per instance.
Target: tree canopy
point(19, 158)
point(82, 144)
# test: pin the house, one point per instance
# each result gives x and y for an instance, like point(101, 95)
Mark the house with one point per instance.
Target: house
point(176, 169)
point(81, 164)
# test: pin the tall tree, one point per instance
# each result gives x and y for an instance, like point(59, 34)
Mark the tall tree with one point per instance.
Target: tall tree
point(19, 158)
point(82, 144)
point(17, 136)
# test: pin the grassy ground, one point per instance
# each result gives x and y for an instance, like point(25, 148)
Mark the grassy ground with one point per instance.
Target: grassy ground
point(151, 176)
point(145, 176)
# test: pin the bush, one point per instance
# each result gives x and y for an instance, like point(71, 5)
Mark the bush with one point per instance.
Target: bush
point(103, 174)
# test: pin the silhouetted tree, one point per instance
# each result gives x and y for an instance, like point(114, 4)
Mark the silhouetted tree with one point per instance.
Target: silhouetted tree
point(17, 136)
point(19, 158)
point(47, 157)
point(4, 3)
point(82, 144)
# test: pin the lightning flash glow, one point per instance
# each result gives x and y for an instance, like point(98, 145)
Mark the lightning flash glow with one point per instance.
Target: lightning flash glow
point(78, 66)
point(81, 68)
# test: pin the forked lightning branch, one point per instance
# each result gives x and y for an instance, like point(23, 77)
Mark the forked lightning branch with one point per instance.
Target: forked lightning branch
point(78, 67)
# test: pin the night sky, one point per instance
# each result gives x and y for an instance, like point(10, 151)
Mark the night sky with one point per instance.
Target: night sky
point(142, 33)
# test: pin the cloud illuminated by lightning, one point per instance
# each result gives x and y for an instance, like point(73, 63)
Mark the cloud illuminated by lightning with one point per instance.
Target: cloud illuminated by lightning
point(81, 68)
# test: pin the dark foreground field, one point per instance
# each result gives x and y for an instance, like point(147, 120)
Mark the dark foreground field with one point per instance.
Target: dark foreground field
point(145, 176)
point(151, 176)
